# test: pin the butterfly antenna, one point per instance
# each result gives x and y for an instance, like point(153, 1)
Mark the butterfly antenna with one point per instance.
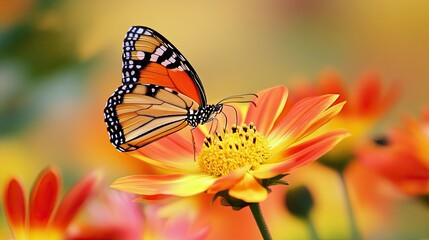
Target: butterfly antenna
point(239, 99)
point(240, 96)
point(235, 111)
point(244, 101)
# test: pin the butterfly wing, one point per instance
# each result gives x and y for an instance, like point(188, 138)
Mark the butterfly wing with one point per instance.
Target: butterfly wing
point(138, 114)
point(150, 58)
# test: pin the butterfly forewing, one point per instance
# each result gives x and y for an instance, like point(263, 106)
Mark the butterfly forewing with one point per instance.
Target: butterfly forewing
point(149, 58)
point(138, 114)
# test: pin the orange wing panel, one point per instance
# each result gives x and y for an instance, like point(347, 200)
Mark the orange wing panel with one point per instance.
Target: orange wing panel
point(175, 79)
point(184, 84)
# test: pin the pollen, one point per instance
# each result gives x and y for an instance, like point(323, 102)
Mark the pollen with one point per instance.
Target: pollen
point(241, 146)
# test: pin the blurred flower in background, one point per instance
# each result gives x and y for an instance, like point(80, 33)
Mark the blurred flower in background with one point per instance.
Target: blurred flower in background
point(368, 101)
point(110, 215)
point(402, 156)
point(44, 218)
point(115, 215)
point(175, 219)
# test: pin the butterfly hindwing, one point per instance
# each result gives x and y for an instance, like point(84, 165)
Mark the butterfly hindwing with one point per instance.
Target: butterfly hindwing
point(149, 58)
point(138, 114)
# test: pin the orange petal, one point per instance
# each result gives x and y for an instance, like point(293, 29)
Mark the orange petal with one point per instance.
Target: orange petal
point(318, 122)
point(296, 123)
point(180, 143)
point(300, 154)
point(144, 199)
point(324, 118)
point(179, 162)
point(74, 199)
point(370, 99)
point(176, 184)
point(174, 153)
point(228, 181)
point(14, 207)
point(368, 92)
point(249, 190)
point(330, 82)
point(43, 198)
point(269, 105)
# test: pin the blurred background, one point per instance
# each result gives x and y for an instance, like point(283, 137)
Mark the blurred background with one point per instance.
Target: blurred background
point(61, 60)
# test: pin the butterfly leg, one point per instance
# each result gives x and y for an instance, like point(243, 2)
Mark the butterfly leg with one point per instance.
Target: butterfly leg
point(193, 144)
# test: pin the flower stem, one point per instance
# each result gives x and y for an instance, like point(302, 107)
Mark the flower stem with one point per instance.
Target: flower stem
point(352, 221)
point(312, 229)
point(262, 225)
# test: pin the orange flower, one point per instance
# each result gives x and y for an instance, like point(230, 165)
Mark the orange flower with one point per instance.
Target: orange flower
point(40, 221)
point(241, 158)
point(367, 103)
point(402, 156)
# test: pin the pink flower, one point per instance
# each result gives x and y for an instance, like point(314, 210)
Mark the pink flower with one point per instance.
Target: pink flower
point(113, 215)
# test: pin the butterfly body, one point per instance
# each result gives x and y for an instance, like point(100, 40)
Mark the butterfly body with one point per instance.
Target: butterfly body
point(160, 93)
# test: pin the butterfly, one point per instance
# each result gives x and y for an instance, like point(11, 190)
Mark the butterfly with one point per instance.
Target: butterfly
point(160, 93)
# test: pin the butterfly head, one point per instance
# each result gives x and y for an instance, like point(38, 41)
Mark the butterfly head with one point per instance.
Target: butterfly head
point(217, 108)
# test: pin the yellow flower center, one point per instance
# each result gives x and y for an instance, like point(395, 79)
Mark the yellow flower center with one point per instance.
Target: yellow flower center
point(240, 147)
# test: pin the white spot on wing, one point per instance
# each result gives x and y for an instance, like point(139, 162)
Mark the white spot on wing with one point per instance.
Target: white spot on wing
point(140, 55)
point(159, 52)
point(153, 58)
point(165, 63)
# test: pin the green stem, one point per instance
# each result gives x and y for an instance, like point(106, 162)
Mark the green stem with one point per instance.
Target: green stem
point(352, 220)
point(312, 229)
point(257, 214)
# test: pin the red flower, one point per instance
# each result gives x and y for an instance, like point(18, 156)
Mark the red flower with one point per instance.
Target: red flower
point(43, 220)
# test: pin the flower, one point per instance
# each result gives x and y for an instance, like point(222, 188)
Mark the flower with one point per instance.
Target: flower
point(41, 220)
point(264, 144)
point(114, 215)
point(110, 215)
point(367, 103)
point(402, 156)
point(176, 219)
